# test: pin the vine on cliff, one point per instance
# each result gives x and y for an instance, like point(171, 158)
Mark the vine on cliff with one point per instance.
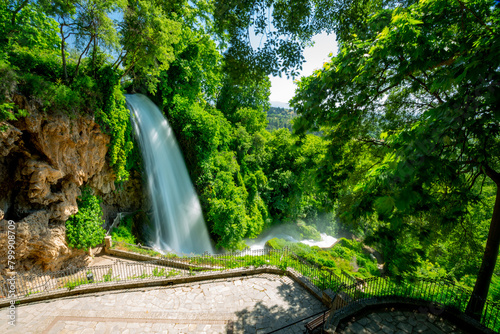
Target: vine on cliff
point(113, 117)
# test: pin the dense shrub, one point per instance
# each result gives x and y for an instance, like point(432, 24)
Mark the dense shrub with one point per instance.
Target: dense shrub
point(84, 229)
point(123, 232)
point(346, 255)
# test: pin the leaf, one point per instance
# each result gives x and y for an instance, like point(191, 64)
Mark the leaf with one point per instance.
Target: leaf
point(414, 22)
point(384, 205)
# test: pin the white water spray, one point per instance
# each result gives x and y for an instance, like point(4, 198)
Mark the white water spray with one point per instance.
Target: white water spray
point(177, 217)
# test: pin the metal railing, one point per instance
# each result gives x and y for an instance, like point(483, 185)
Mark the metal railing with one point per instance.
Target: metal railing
point(166, 266)
point(442, 292)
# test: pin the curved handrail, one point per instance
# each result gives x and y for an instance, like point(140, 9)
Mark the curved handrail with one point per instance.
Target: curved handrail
point(443, 292)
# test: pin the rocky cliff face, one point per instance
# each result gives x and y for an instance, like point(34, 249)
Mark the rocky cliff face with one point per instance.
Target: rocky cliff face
point(44, 160)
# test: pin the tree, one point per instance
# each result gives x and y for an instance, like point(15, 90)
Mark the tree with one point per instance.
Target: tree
point(148, 33)
point(243, 92)
point(88, 22)
point(282, 40)
point(421, 86)
point(284, 28)
point(196, 72)
point(24, 24)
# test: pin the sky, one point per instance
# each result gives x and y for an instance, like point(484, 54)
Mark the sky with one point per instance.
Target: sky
point(283, 89)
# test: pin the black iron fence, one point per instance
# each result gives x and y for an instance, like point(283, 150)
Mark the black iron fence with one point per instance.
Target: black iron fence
point(351, 290)
point(439, 293)
point(24, 285)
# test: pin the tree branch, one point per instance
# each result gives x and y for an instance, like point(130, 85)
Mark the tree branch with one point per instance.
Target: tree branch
point(474, 178)
point(492, 174)
point(421, 83)
point(474, 14)
point(81, 55)
point(14, 14)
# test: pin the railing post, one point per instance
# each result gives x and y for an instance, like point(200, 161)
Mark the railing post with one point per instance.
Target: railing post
point(107, 243)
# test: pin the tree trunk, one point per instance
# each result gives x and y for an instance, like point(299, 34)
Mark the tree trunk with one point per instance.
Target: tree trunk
point(63, 54)
point(480, 293)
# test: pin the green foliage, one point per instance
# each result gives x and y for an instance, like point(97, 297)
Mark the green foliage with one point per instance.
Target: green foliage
point(251, 92)
point(37, 75)
point(138, 249)
point(23, 23)
point(195, 74)
point(279, 118)
point(172, 272)
point(347, 255)
point(253, 120)
point(73, 283)
point(148, 35)
point(494, 292)
point(108, 277)
point(277, 243)
point(158, 273)
point(31, 292)
point(84, 229)
point(308, 232)
point(284, 26)
point(114, 119)
point(292, 192)
point(227, 201)
point(10, 112)
point(123, 232)
point(37, 61)
point(418, 91)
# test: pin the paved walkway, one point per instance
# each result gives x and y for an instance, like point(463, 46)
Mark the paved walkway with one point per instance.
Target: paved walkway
point(256, 304)
point(398, 322)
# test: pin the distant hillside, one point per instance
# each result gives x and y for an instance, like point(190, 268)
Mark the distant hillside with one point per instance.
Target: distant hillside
point(279, 117)
point(278, 104)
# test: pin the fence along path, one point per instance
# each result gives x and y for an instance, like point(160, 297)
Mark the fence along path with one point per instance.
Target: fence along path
point(28, 284)
point(441, 293)
point(444, 292)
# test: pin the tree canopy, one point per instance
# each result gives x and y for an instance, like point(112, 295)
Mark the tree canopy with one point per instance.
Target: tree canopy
point(420, 87)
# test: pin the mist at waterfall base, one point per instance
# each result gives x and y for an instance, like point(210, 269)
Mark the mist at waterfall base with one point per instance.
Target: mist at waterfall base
point(281, 233)
point(177, 219)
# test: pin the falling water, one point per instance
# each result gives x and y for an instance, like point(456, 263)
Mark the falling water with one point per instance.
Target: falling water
point(178, 222)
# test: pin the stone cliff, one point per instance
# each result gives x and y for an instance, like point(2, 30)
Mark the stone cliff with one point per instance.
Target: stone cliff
point(44, 160)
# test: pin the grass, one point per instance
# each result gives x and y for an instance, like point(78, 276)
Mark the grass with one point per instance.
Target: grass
point(136, 249)
point(70, 284)
point(32, 293)
point(157, 273)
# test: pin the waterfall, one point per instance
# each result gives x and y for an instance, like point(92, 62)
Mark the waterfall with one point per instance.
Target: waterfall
point(178, 222)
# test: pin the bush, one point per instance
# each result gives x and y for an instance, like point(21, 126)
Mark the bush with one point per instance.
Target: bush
point(45, 63)
point(338, 258)
point(308, 232)
point(123, 232)
point(276, 243)
point(84, 229)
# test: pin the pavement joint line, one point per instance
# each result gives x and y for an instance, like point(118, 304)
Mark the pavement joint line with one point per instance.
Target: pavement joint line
point(135, 320)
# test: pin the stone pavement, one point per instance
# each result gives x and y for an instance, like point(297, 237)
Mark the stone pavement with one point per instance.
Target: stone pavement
point(398, 322)
point(255, 304)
